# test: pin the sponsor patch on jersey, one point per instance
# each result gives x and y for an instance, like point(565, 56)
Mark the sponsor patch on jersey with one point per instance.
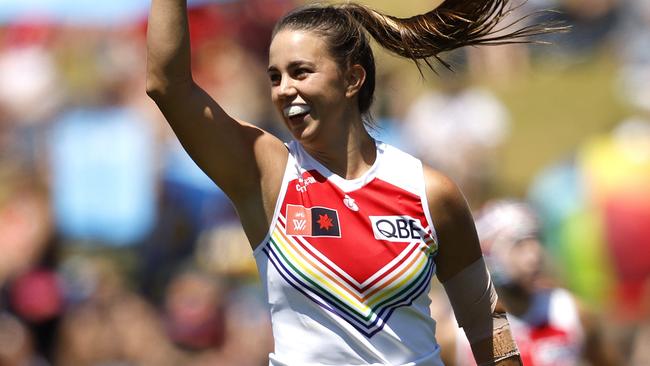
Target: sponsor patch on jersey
point(302, 184)
point(314, 221)
point(397, 228)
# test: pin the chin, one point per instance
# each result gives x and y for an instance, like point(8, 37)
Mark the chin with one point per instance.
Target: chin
point(296, 131)
point(305, 133)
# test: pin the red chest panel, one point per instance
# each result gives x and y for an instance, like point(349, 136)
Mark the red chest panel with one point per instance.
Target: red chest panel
point(357, 251)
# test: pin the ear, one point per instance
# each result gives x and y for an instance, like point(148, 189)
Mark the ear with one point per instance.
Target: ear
point(354, 77)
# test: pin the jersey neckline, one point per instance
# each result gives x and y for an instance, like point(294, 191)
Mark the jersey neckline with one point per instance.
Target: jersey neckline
point(346, 185)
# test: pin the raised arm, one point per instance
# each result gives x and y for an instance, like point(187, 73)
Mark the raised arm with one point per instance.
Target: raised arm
point(461, 270)
point(244, 161)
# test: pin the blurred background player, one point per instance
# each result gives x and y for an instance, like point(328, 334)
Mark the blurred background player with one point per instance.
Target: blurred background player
point(549, 325)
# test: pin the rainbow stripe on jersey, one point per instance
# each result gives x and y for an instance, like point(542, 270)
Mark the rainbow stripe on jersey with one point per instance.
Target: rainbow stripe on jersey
point(367, 305)
point(347, 265)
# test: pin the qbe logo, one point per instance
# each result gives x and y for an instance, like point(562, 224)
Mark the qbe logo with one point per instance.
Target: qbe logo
point(397, 228)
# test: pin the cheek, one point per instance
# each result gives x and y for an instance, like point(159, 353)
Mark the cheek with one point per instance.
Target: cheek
point(274, 96)
point(277, 103)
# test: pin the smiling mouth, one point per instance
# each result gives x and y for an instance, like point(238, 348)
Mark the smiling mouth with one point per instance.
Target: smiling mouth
point(296, 110)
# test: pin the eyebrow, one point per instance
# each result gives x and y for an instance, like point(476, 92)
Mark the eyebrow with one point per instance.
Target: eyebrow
point(292, 64)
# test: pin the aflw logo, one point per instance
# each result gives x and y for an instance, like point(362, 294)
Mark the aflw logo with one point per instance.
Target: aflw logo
point(299, 224)
point(397, 228)
point(312, 221)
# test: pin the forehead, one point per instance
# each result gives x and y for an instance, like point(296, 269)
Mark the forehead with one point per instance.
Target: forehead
point(293, 45)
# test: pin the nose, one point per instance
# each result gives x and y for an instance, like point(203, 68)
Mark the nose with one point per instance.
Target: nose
point(286, 89)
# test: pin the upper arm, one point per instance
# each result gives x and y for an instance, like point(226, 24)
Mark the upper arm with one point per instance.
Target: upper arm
point(237, 156)
point(244, 161)
point(452, 218)
point(459, 248)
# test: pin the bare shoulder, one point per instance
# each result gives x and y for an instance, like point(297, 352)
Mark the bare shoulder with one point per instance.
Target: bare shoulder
point(443, 195)
point(271, 156)
point(270, 152)
point(255, 194)
point(454, 224)
point(258, 148)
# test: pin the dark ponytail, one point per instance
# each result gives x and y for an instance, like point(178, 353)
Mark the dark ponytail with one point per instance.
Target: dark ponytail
point(453, 24)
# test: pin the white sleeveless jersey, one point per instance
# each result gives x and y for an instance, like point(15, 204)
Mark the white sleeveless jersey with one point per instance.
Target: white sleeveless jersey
point(347, 265)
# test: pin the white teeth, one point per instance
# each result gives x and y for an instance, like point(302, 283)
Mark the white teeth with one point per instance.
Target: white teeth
point(296, 109)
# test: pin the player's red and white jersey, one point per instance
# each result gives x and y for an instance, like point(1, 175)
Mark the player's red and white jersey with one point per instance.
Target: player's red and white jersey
point(347, 265)
point(551, 334)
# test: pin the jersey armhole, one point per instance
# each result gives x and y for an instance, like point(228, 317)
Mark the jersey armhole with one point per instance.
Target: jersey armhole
point(425, 204)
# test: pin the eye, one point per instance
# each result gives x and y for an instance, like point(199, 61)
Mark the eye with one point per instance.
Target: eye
point(301, 73)
point(275, 78)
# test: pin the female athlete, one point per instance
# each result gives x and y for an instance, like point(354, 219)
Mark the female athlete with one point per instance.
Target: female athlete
point(346, 231)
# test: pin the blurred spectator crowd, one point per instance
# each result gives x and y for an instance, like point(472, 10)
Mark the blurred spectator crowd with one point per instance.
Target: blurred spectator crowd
point(115, 249)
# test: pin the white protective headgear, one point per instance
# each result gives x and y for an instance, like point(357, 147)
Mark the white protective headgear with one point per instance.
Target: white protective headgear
point(500, 225)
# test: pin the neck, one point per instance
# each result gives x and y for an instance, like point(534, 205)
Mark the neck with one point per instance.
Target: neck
point(349, 155)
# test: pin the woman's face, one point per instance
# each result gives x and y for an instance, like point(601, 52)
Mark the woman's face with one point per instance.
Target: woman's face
point(308, 87)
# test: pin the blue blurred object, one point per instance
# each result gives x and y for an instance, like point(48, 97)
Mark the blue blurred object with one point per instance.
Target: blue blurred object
point(81, 12)
point(389, 130)
point(192, 192)
point(103, 176)
point(557, 193)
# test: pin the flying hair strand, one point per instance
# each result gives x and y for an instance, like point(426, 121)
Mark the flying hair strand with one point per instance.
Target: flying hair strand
point(451, 25)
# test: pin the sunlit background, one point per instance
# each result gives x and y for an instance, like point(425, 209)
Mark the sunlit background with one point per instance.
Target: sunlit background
point(115, 249)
